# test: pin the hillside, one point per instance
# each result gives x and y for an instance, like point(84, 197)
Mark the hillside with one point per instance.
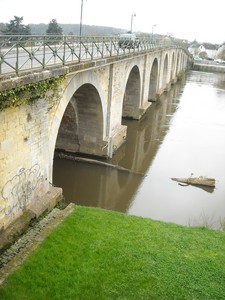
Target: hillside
point(75, 29)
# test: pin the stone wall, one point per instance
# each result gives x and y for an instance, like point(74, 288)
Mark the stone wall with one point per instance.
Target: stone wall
point(24, 152)
point(208, 67)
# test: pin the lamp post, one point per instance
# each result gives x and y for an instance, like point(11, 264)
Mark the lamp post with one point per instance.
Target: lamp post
point(131, 25)
point(153, 26)
point(81, 16)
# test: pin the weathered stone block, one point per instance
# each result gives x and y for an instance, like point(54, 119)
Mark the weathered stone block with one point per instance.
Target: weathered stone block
point(47, 202)
point(15, 229)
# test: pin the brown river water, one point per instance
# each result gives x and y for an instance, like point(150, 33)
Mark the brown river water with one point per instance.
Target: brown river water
point(181, 134)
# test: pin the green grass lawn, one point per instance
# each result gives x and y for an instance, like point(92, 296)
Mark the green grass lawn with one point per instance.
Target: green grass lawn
point(99, 254)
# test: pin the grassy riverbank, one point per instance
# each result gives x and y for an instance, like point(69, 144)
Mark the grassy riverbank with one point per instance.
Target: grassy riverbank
point(98, 254)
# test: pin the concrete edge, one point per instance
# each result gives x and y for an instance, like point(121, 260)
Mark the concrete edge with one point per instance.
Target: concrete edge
point(14, 230)
point(30, 247)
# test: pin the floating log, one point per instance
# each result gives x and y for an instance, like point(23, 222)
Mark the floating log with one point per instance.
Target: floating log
point(96, 162)
point(205, 181)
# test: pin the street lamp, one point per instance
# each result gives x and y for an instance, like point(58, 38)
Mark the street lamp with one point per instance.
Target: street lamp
point(153, 26)
point(131, 25)
point(81, 15)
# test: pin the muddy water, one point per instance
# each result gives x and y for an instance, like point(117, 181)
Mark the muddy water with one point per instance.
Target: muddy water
point(181, 134)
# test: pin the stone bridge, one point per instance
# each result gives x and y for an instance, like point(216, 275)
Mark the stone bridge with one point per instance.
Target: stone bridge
point(83, 116)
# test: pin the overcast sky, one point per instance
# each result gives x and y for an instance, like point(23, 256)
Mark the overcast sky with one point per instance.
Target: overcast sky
point(191, 19)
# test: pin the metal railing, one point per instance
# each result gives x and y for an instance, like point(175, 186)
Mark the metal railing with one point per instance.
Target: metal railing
point(20, 53)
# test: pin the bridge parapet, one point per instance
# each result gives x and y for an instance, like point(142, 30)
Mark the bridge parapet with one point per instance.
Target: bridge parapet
point(19, 53)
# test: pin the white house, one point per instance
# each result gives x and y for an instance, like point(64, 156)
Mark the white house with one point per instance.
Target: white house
point(203, 50)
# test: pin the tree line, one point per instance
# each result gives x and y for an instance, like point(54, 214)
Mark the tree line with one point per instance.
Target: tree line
point(16, 27)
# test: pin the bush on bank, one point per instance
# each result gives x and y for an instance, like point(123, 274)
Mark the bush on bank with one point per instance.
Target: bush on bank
point(98, 254)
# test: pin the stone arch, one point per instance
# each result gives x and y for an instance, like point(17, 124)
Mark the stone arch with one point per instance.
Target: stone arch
point(67, 138)
point(184, 61)
point(131, 100)
point(153, 81)
point(173, 68)
point(178, 64)
point(81, 127)
point(80, 115)
point(165, 72)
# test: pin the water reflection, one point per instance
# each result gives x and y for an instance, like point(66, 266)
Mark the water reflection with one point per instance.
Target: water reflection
point(182, 133)
point(145, 136)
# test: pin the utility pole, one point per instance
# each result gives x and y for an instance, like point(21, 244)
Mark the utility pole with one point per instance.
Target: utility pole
point(81, 15)
point(131, 25)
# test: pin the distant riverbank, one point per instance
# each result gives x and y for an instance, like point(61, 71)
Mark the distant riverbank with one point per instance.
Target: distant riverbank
point(208, 67)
